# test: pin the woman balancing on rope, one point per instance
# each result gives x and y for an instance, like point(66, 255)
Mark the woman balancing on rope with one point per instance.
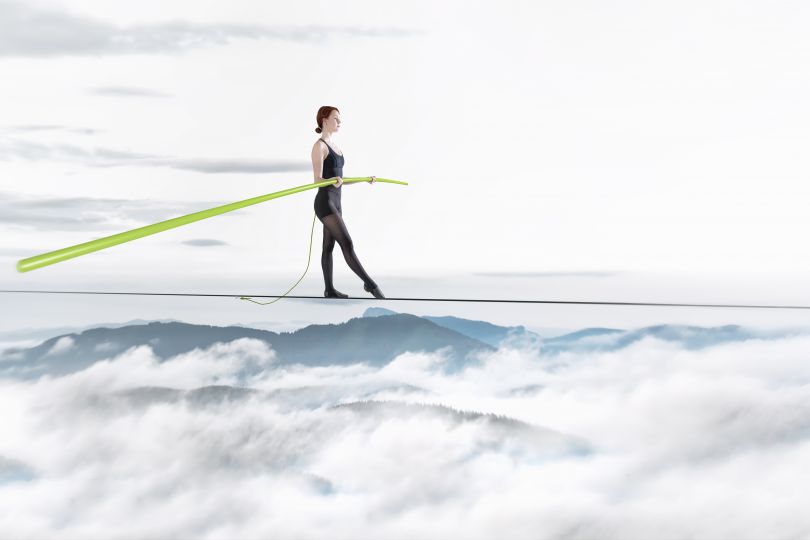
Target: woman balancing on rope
point(327, 164)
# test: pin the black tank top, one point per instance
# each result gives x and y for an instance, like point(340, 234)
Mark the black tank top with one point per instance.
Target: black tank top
point(332, 166)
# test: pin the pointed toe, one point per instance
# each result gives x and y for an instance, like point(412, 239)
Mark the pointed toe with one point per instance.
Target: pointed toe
point(375, 291)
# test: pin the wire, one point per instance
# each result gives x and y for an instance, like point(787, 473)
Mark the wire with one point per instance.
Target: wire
point(476, 300)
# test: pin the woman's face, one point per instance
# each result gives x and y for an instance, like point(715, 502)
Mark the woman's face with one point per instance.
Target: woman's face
point(332, 122)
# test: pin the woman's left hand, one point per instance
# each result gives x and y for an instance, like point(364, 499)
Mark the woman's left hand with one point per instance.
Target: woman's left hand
point(373, 179)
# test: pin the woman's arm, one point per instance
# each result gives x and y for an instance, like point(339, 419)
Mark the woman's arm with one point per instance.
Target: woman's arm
point(317, 165)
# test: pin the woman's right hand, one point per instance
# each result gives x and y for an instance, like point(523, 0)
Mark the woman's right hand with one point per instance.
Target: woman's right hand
point(339, 181)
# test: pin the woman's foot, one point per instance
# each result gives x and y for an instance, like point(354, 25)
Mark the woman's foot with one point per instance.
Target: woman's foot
point(375, 291)
point(334, 293)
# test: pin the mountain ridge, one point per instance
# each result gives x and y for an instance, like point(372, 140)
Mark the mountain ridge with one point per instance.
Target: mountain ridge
point(375, 341)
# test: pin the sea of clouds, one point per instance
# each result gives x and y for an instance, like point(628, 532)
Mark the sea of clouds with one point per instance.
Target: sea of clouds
point(654, 440)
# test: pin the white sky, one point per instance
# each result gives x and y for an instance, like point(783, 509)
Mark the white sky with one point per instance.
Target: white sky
point(627, 137)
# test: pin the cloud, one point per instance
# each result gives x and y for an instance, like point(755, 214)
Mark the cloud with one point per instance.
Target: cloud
point(204, 242)
point(33, 151)
point(127, 91)
point(53, 127)
point(249, 166)
point(106, 346)
point(545, 274)
point(30, 31)
point(62, 345)
point(88, 213)
point(106, 157)
point(14, 252)
point(653, 440)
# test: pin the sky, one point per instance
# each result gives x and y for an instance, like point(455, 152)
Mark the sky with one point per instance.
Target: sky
point(660, 147)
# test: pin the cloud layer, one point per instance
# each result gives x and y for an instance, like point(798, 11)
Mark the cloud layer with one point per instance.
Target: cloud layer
point(127, 91)
point(28, 31)
point(89, 213)
point(107, 157)
point(652, 440)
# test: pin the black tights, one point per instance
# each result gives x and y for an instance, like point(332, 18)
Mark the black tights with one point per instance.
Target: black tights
point(334, 229)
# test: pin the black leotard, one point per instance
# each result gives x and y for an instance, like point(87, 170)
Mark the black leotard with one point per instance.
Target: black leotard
point(327, 201)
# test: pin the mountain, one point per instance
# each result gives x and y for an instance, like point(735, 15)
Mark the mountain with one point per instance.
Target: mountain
point(596, 339)
point(45, 333)
point(484, 331)
point(690, 337)
point(376, 341)
point(376, 338)
point(583, 334)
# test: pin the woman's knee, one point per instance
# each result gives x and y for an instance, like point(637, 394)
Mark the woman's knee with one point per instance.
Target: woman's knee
point(347, 244)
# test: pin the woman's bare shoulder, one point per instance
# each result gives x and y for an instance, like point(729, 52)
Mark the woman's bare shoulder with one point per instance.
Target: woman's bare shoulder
point(318, 147)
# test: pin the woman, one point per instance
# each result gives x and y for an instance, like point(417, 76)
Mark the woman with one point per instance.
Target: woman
point(327, 164)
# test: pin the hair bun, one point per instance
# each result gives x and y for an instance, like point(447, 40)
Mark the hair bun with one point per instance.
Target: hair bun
point(323, 114)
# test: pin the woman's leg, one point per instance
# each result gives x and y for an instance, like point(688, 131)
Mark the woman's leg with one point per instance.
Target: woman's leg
point(337, 230)
point(326, 258)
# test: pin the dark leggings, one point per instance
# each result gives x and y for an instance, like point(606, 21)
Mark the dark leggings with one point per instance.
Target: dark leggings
point(334, 230)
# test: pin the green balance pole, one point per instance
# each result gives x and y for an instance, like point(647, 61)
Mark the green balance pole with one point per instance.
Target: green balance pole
point(53, 257)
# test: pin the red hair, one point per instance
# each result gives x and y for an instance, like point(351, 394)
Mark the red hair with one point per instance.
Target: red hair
point(323, 114)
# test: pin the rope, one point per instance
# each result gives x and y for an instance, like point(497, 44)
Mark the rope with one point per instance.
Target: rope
point(309, 257)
